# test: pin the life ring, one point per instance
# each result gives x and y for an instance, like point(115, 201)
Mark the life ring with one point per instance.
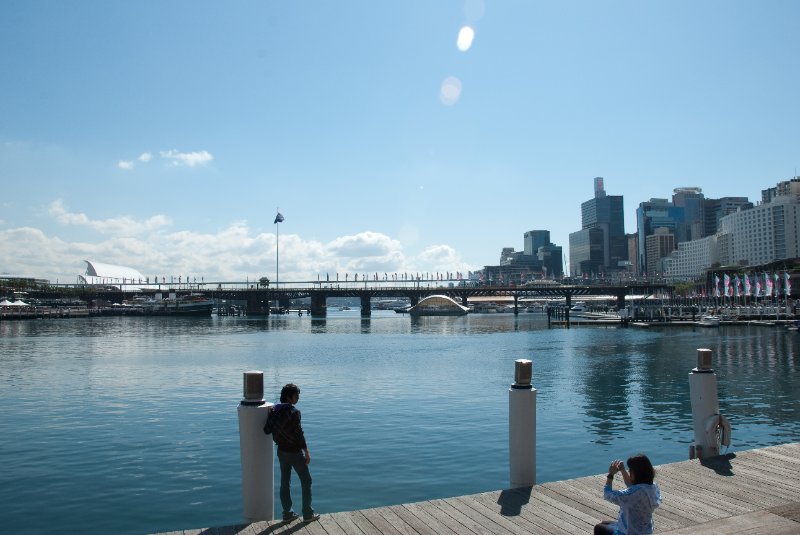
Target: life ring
point(719, 427)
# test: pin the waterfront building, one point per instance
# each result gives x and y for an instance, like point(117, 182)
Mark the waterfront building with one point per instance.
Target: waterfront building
point(692, 258)
point(540, 258)
point(716, 209)
point(785, 188)
point(633, 254)
point(109, 274)
point(651, 215)
point(692, 201)
point(763, 234)
point(606, 213)
point(659, 245)
point(586, 252)
point(535, 239)
point(507, 255)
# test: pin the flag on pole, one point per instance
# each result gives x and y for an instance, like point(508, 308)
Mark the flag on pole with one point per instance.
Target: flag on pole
point(737, 285)
point(278, 219)
point(787, 284)
point(746, 285)
point(716, 285)
point(727, 284)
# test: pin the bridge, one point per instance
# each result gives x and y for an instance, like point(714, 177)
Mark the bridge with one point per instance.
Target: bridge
point(260, 298)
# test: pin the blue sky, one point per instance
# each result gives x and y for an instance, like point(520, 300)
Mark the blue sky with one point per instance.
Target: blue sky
point(163, 135)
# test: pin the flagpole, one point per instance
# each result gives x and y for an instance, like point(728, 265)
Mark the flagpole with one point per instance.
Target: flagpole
point(277, 254)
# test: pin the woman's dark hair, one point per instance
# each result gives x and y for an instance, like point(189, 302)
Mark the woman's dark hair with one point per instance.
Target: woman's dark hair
point(288, 392)
point(642, 469)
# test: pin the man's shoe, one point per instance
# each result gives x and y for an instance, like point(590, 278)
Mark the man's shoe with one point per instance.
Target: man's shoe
point(312, 518)
point(290, 517)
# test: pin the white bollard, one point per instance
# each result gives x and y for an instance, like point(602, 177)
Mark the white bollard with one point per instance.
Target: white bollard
point(522, 426)
point(256, 450)
point(710, 428)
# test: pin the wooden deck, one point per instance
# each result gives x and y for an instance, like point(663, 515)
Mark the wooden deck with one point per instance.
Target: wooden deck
point(753, 492)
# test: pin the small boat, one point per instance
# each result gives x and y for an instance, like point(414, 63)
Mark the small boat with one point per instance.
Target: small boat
point(709, 321)
point(344, 308)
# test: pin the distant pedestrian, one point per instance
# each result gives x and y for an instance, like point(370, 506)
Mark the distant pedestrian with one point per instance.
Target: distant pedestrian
point(284, 424)
point(636, 503)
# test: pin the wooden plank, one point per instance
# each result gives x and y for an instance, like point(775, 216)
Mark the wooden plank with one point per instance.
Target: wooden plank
point(311, 528)
point(330, 525)
point(711, 493)
point(790, 457)
point(777, 484)
point(382, 525)
point(494, 522)
point(412, 520)
point(345, 523)
point(395, 521)
point(737, 488)
point(468, 521)
point(562, 509)
point(767, 469)
point(758, 522)
point(361, 522)
point(538, 508)
point(435, 517)
point(492, 502)
point(589, 496)
point(790, 511)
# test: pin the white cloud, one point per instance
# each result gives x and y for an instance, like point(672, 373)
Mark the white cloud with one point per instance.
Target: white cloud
point(441, 258)
point(189, 159)
point(233, 253)
point(127, 165)
point(145, 157)
point(119, 226)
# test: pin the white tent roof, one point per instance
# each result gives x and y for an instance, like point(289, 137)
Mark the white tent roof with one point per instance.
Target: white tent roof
point(19, 303)
point(5, 303)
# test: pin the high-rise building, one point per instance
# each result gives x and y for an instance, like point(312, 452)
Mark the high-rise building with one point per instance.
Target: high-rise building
point(586, 252)
point(782, 189)
point(535, 239)
point(692, 201)
point(659, 245)
point(766, 233)
point(716, 209)
point(633, 252)
point(606, 213)
point(651, 215)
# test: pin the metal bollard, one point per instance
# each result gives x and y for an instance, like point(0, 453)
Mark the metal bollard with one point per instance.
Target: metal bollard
point(522, 426)
point(711, 429)
point(256, 451)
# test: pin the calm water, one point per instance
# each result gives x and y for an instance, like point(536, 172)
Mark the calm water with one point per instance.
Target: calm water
point(128, 425)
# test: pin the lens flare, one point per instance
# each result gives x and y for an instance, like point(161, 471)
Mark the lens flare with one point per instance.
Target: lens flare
point(451, 91)
point(465, 37)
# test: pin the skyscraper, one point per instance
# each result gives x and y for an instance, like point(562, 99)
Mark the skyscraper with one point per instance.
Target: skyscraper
point(606, 213)
point(651, 215)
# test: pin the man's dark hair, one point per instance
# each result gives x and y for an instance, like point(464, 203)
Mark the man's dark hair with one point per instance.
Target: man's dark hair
point(288, 392)
point(642, 468)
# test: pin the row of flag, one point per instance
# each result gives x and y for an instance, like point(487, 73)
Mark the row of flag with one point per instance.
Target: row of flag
point(755, 285)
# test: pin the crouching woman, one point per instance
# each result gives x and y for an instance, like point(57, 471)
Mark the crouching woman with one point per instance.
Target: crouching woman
point(636, 503)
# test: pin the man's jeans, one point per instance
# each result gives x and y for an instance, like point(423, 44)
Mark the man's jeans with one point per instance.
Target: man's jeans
point(298, 462)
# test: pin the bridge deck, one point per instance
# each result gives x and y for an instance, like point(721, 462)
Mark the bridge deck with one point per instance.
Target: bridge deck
point(755, 491)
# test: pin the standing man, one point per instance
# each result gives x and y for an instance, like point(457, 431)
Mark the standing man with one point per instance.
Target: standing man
point(284, 422)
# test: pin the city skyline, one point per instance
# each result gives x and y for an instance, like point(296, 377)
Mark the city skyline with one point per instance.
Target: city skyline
point(166, 137)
